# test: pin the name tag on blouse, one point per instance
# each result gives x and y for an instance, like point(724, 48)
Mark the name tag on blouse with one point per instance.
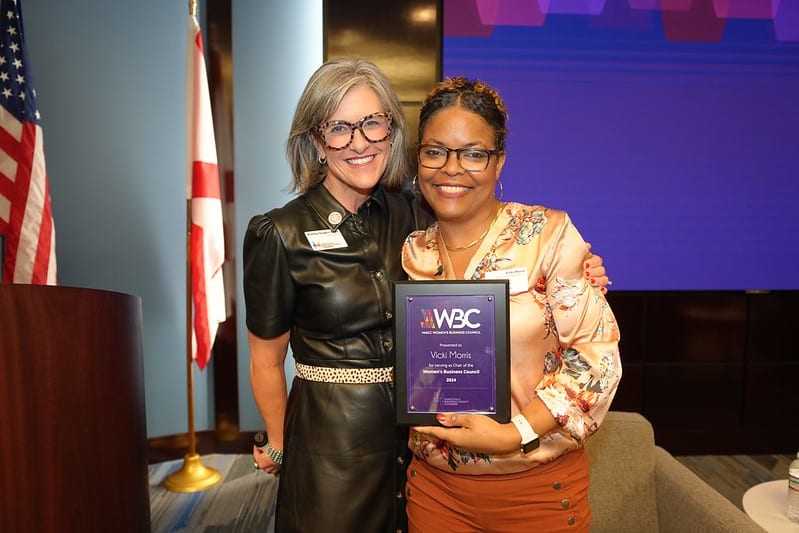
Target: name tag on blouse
point(324, 239)
point(517, 278)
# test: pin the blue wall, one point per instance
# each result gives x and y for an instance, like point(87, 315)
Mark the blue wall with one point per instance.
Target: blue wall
point(275, 51)
point(110, 81)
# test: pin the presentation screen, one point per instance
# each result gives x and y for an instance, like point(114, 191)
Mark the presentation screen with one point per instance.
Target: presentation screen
point(667, 129)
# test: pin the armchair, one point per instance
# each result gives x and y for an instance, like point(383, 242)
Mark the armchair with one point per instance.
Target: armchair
point(638, 487)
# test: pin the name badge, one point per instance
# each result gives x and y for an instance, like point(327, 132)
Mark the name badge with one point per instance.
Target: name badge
point(517, 278)
point(324, 239)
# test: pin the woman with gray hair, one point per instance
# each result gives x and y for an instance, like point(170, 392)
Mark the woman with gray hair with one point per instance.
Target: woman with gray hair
point(317, 275)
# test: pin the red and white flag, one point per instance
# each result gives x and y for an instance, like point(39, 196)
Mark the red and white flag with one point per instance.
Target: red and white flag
point(26, 219)
point(207, 244)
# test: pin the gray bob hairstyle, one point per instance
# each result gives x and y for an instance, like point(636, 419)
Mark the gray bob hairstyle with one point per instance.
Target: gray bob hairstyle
point(320, 99)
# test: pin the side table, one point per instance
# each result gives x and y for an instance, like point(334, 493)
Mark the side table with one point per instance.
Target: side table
point(766, 504)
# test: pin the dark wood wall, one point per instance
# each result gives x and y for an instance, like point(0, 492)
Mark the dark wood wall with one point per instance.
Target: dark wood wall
point(402, 38)
point(712, 371)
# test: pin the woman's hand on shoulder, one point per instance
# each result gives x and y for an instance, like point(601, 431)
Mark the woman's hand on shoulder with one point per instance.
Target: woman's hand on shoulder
point(478, 433)
point(595, 270)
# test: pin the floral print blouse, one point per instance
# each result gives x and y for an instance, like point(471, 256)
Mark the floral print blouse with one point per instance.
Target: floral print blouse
point(564, 340)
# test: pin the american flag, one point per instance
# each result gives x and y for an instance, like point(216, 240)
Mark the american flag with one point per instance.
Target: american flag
point(26, 220)
point(207, 243)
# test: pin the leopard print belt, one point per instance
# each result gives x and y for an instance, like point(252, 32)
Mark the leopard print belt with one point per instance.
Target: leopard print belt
point(345, 375)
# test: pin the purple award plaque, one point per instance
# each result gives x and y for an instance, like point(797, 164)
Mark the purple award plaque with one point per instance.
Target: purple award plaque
point(452, 349)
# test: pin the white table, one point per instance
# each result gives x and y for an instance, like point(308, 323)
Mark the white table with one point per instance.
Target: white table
point(766, 504)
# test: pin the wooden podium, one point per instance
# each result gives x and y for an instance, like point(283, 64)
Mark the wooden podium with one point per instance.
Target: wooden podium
point(73, 438)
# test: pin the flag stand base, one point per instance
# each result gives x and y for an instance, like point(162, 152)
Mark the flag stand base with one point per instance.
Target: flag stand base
point(193, 476)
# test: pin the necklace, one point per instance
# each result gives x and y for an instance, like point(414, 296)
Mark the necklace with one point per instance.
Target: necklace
point(478, 239)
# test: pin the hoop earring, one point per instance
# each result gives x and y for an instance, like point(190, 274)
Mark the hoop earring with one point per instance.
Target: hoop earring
point(415, 184)
point(501, 190)
point(322, 159)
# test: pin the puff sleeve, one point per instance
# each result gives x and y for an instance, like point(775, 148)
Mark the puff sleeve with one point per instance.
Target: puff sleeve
point(269, 293)
point(580, 380)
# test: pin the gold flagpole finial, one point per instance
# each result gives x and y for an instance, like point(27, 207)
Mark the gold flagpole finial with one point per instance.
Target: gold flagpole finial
point(193, 8)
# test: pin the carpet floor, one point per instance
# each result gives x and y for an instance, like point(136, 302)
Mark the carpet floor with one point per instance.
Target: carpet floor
point(245, 499)
point(733, 475)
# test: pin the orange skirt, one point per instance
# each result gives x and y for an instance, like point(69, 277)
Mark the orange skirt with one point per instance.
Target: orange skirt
point(551, 497)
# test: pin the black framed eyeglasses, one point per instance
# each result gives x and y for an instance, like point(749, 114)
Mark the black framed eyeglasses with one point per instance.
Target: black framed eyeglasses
point(471, 159)
point(338, 134)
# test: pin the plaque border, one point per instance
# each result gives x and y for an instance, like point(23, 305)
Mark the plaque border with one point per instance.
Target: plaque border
point(499, 289)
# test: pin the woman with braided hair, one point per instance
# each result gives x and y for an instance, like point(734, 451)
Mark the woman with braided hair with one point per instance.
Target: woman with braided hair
point(472, 473)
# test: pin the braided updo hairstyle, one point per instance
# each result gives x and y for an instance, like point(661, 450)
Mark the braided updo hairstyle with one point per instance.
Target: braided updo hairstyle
point(472, 95)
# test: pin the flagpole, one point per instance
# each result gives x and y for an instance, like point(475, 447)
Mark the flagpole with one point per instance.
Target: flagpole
point(193, 476)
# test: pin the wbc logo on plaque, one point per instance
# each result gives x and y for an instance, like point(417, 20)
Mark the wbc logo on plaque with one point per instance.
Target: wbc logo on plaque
point(450, 318)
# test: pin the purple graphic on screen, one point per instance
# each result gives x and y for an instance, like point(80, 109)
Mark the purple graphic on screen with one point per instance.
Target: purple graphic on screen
point(644, 4)
point(697, 23)
point(451, 355)
point(512, 13)
point(665, 128)
point(786, 21)
point(681, 20)
point(576, 7)
point(746, 9)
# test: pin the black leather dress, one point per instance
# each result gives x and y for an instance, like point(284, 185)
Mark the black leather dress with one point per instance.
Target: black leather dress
point(344, 458)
